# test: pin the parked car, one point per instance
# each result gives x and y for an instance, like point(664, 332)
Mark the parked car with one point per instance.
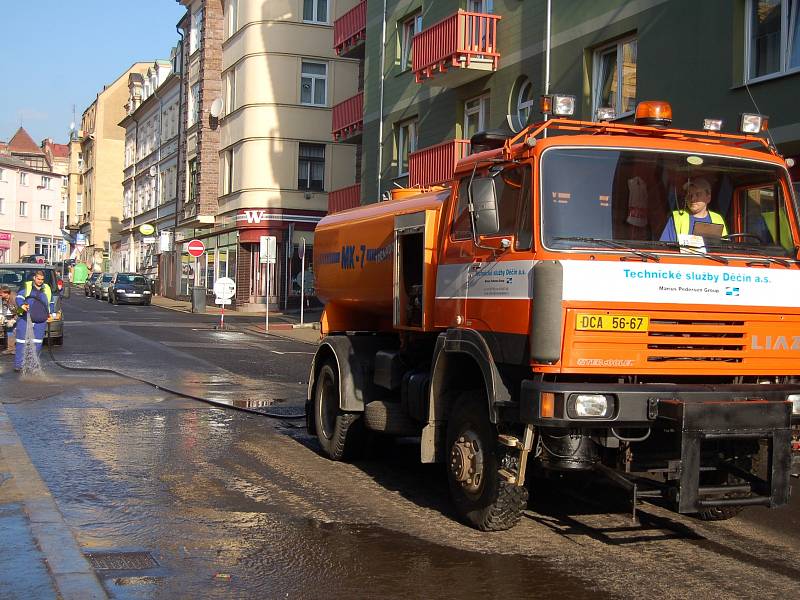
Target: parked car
point(129, 288)
point(102, 285)
point(88, 287)
point(15, 275)
point(39, 259)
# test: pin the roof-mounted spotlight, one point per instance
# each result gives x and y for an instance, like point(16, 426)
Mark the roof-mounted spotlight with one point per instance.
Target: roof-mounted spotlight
point(753, 123)
point(605, 113)
point(560, 105)
point(712, 124)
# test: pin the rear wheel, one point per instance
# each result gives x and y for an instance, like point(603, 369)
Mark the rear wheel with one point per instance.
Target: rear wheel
point(341, 434)
point(482, 498)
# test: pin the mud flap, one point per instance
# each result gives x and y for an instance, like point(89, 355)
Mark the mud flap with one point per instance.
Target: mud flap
point(744, 421)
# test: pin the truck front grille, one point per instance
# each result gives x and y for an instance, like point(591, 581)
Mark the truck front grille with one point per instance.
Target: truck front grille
point(695, 340)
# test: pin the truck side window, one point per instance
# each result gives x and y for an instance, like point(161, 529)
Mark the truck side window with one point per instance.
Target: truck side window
point(524, 237)
point(462, 228)
point(513, 203)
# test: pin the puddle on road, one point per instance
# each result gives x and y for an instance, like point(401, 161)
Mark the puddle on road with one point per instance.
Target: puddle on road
point(170, 481)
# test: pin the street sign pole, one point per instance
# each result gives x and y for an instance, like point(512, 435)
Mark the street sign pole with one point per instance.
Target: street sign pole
point(266, 304)
point(302, 278)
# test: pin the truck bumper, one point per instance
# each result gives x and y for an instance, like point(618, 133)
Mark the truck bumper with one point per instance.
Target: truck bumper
point(708, 427)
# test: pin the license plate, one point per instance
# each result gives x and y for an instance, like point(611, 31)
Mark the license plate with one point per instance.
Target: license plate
point(589, 322)
point(133, 295)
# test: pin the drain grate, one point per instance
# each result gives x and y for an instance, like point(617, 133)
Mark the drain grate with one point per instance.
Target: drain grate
point(121, 561)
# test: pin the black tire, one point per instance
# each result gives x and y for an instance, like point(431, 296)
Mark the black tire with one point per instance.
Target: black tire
point(390, 418)
point(492, 504)
point(719, 513)
point(341, 434)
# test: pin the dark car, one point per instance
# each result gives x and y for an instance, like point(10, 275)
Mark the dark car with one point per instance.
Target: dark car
point(39, 259)
point(15, 276)
point(129, 288)
point(88, 287)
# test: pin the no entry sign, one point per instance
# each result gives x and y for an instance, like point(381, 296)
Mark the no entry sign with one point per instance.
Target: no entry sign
point(196, 248)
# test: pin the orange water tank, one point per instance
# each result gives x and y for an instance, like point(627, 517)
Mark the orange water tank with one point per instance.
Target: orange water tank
point(354, 252)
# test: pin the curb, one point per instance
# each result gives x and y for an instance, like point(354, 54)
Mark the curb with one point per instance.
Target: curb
point(72, 575)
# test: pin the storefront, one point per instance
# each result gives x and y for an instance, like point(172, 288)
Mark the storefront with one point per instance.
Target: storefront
point(5, 247)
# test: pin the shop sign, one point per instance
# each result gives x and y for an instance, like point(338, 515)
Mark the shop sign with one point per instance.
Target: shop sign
point(5, 240)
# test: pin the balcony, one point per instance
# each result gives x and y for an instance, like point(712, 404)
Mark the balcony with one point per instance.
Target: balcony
point(350, 31)
point(435, 165)
point(344, 198)
point(348, 119)
point(457, 50)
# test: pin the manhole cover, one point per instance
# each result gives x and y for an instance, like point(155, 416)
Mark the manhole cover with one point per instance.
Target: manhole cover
point(121, 561)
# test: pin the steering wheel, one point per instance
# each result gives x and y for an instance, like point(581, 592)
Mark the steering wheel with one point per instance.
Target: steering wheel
point(736, 236)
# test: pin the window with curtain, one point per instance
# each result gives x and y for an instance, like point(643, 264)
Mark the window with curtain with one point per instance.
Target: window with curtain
point(311, 167)
point(773, 37)
point(315, 11)
point(313, 83)
point(408, 29)
point(406, 140)
point(615, 77)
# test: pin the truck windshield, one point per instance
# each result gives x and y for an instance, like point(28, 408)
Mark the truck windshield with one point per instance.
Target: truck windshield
point(663, 201)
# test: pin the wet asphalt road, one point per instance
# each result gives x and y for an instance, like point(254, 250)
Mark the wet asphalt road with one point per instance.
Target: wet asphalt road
point(232, 504)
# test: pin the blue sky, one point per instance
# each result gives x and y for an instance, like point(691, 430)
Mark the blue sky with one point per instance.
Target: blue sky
point(58, 53)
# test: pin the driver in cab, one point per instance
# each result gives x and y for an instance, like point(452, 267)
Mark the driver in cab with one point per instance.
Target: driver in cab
point(698, 196)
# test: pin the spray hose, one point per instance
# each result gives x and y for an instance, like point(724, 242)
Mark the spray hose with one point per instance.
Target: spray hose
point(164, 388)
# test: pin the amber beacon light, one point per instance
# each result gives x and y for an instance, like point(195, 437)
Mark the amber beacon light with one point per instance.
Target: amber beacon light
point(654, 112)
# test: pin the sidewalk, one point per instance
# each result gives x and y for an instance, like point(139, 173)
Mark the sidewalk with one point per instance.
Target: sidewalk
point(39, 557)
point(285, 325)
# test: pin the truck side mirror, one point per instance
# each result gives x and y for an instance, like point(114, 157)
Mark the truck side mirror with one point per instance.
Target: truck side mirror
point(484, 205)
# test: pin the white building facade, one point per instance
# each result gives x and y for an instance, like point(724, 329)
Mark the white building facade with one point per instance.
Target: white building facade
point(150, 174)
point(32, 211)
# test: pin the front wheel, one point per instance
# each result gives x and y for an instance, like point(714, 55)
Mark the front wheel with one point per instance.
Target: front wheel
point(482, 497)
point(341, 434)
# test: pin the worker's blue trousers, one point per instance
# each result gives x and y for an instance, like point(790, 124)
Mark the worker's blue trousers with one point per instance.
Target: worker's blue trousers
point(39, 330)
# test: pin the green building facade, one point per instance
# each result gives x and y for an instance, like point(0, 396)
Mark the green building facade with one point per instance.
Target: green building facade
point(710, 58)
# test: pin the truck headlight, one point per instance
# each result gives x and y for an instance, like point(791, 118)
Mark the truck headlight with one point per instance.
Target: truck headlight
point(590, 406)
point(795, 400)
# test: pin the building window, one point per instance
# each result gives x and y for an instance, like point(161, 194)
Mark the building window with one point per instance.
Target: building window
point(476, 116)
point(79, 204)
point(194, 104)
point(314, 83)
point(315, 11)
point(481, 6)
point(23, 208)
point(193, 181)
point(406, 140)
point(311, 167)
point(2, 175)
point(46, 182)
point(230, 91)
point(2, 206)
point(23, 179)
point(46, 212)
point(43, 245)
point(196, 32)
point(521, 103)
point(615, 77)
point(408, 29)
point(231, 18)
point(773, 37)
point(227, 171)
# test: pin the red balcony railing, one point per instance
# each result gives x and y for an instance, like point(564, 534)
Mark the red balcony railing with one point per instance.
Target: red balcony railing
point(344, 198)
point(348, 117)
point(435, 164)
point(456, 41)
point(350, 29)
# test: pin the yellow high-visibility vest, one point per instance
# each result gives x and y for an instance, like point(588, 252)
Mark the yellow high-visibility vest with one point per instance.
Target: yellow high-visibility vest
point(681, 218)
